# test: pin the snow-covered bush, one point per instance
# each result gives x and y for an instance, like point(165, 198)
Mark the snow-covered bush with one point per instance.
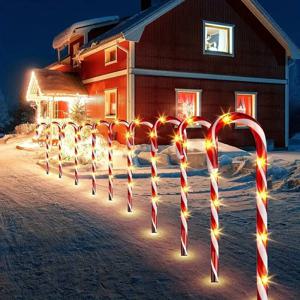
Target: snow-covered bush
point(26, 128)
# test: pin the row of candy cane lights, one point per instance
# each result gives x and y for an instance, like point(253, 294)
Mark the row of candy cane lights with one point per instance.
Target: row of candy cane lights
point(211, 146)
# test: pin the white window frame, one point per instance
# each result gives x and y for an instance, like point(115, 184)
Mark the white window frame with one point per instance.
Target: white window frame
point(107, 94)
point(230, 28)
point(199, 100)
point(254, 105)
point(106, 55)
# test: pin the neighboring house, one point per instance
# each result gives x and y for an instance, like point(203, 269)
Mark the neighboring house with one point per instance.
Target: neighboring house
point(180, 58)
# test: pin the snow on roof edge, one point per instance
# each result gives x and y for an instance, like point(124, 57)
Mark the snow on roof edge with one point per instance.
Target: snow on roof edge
point(62, 38)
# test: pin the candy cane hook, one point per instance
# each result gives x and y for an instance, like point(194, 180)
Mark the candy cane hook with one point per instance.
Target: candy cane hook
point(181, 145)
point(261, 199)
point(154, 173)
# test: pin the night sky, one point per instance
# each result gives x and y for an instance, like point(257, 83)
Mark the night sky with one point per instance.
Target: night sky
point(27, 28)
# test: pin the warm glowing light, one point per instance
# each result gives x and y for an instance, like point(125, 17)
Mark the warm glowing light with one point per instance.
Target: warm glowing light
point(155, 199)
point(131, 168)
point(190, 121)
point(117, 122)
point(155, 178)
point(263, 237)
point(263, 195)
point(226, 119)
point(152, 134)
point(186, 214)
point(137, 122)
point(185, 144)
point(186, 189)
point(177, 138)
point(216, 232)
point(261, 162)
point(154, 159)
point(217, 203)
point(215, 174)
point(130, 184)
point(208, 144)
point(128, 135)
point(111, 176)
point(265, 280)
point(162, 119)
point(184, 165)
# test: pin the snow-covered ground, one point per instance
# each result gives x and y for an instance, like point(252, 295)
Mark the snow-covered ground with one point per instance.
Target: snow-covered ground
point(59, 242)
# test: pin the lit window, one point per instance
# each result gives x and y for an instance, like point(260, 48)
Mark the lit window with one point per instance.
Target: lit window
point(187, 103)
point(246, 103)
point(218, 38)
point(110, 55)
point(111, 100)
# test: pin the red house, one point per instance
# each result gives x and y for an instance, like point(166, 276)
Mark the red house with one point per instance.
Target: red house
point(178, 57)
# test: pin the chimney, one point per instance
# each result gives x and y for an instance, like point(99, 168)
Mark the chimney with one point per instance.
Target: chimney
point(145, 4)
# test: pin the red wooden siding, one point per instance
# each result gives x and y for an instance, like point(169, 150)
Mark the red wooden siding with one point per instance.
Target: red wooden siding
point(175, 42)
point(156, 95)
point(94, 65)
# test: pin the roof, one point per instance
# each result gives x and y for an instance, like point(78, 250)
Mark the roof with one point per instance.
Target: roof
point(132, 28)
point(56, 83)
point(64, 37)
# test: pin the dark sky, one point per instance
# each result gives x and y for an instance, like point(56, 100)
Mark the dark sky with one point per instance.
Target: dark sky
point(27, 28)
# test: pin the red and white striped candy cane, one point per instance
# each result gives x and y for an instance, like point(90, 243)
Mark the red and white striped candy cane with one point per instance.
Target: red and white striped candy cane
point(59, 148)
point(94, 137)
point(181, 145)
point(76, 137)
point(48, 131)
point(37, 134)
point(110, 162)
point(154, 173)
point(93, 156)
point(261, 199)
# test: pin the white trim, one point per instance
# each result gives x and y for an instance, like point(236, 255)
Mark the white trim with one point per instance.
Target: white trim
point(107, 52)
point(264, 17)
point(106, 76)
point(164, 73)
point(231, 37)
point(287, 104)
point(96, 48)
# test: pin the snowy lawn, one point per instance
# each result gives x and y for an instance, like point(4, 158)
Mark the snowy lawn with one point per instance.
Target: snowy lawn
point(59, 242)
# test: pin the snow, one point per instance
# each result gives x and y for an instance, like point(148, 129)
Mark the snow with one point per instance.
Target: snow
point(57, 241)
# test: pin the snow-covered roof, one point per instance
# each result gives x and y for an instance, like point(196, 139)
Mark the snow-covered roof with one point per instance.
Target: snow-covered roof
point(44, 82)
point(81, 27)
point(132, 28)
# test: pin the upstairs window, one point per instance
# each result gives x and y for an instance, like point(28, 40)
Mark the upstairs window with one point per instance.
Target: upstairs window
point(245, 103)
point(111, 101)
point(218, 39)
point(110, 55)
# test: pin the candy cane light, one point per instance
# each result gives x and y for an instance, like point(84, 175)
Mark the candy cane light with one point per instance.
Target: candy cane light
point(181, 146)
point(93, 155)
point(37, 134)
point(76, 137)
point(109, 142)
point(162, 120)
point(59, 148)
point(261, 199)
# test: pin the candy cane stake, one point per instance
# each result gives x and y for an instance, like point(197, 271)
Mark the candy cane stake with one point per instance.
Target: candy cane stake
point(154, 173)
point(261, 199)
point(93, 155)
point(94, 137)
point(37, 134)
point(59, 148)
point(76, 137)
point(181, 145)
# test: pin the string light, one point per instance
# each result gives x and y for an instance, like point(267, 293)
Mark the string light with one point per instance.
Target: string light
point(152, 134)
point(216, 232)
point(186, 189)
point(263, 195)
point(137, 122)
point(263, 237)
point(155, 199)
point(261, 162)
point(162, 119)
point(215, 174)
point(226, 119)
point(208, 144)
point(156, 178)
point(177, 138)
